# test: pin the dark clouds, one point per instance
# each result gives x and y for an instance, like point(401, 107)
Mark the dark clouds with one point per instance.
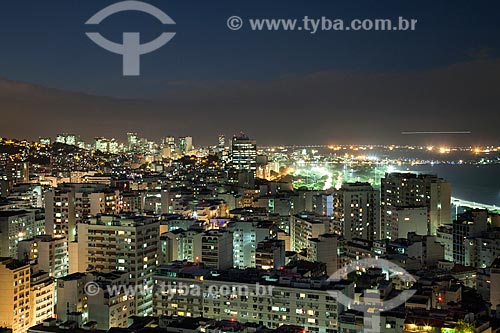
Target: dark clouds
point(323, 107)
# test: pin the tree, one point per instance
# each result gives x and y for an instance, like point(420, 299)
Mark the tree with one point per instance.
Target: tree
point(464, 327)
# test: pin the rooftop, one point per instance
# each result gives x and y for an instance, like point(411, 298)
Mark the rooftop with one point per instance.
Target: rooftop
point(10, 213)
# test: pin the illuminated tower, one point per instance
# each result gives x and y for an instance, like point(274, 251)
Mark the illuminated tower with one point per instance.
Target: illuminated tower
point(185, 144)
point(132, 141)
point(244, 160)
point(221, 142)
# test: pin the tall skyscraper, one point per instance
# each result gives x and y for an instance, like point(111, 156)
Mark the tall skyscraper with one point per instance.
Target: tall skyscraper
point(221, 142)
point(69, 139)
point(132, 141)
point(169, 142)
point(244, 154)
point(356, 211)
point(105, 145)
point(399, 190)
point(185, 144)
point(243, 161)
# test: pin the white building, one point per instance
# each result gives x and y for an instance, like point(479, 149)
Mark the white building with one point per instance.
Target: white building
point(246, 235)
point(356, 211)
point(444, 235)
point(120, 243)
point(49, 253)
point(408, 219)
point(305, 226)
point(180, 245)
point(408, 189)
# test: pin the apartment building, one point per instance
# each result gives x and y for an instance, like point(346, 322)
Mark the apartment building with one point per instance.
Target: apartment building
point(15, 225)
point(42, 292)
point(120, 243)
point(15, 312)
point(239, 295)
point(49, 253)
point(305, 226)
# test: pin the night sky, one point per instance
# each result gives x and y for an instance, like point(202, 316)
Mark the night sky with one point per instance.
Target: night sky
point(278, 87)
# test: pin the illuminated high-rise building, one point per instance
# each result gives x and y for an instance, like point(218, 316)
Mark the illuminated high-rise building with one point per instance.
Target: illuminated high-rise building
point(356, 211)
point(70, 204)
point(244, 154)
point(15, 225)
point(49, 253)
point(105, 309)
point(243, 161)
point(110, 243)
point(132, 141)
point(15, 172)
point(69, 139)
point(106, 145)
point(216, 249)
point(304, 227)
point(169, 142)
point(42, 291)
point(15, 295)
point(246, 236)
point(221, 143)
point(185, 144)
point(468, 226)
point(411, 190)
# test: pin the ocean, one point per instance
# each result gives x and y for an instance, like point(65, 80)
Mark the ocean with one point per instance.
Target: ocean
point(477, 183)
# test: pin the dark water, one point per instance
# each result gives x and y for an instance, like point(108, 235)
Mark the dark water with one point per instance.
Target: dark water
point(479, 183)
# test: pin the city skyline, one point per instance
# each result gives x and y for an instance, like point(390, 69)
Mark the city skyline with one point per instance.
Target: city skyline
point(438, 140)
point(253, 166)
